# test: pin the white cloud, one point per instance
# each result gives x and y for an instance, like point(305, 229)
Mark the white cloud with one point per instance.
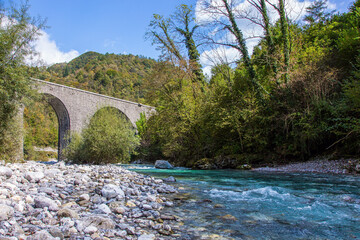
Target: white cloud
point(49, 53)
point(220, 55)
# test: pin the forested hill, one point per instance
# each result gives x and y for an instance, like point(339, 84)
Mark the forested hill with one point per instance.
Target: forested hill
point(120, 76)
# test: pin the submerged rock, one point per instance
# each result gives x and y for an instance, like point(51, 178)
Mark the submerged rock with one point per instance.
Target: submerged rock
point(169, 179)
point(228, 217)
point(163, 164)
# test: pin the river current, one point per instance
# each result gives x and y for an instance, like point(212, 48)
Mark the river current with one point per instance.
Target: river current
point(264, 205)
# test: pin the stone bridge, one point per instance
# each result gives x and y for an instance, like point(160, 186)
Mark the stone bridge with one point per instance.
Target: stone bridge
point(75, 107)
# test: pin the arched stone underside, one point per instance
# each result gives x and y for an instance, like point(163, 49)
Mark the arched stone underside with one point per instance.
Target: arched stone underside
point(63, 122)
point(120, 112)
point(75, 107)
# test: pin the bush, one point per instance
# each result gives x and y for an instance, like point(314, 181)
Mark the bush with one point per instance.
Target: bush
point(109, 138)
point(11, 140)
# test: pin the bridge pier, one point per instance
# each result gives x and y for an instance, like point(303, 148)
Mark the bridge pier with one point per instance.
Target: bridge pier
point(63, 122)
point(19, 121)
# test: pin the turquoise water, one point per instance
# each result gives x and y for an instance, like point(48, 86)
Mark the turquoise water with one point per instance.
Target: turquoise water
point(265, 205)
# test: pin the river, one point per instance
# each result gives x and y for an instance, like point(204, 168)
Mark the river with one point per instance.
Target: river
point(237, 204)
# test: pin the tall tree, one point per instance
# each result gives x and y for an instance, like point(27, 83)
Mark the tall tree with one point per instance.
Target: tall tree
point(316, 12)
point(264, 22)
point(222, 18)
point(185, 17)
point(161, 33)
point(17, 31)
point(286, 37)
point(284, 25)
point(173, 35)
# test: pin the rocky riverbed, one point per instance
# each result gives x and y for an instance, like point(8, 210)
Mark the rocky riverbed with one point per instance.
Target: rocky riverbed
point(58, 201)
point(341, 166)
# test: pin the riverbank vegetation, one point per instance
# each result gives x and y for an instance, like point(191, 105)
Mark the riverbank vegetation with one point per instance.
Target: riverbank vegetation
point(109, 138)
point(17, 31)
point(295, 97)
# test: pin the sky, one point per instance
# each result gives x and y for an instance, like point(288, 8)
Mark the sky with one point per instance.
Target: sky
point(113, 26)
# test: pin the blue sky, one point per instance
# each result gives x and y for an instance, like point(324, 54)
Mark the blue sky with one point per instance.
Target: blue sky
point(114, 26)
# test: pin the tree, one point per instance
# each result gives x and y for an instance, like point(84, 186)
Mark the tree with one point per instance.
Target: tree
point(161, 34)
point(260, 6)
point(109, 138)
point(185, 18)
point(17, 31)
point(223, 21)
point(165, 31)
point(316, 12)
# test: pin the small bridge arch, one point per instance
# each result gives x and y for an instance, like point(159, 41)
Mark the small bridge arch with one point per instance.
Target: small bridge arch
point(75, 107)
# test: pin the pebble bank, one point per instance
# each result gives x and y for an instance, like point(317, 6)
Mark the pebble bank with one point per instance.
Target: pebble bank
point(58, 201)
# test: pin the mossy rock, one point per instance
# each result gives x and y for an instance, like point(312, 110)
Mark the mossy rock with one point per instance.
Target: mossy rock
point(244, 167)
point(205, 164)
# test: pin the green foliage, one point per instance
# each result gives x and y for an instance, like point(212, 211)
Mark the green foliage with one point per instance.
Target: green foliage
point(9, 150)
point(109, 138)
point(141, 125)
point(317, 12)
point(17, 31)
point(41, 129)
point(297, 96)
point(119, 76)
point(174, 34)
point(313, 110)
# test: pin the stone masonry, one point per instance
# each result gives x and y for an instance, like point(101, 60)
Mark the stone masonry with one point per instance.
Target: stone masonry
point(75, 107)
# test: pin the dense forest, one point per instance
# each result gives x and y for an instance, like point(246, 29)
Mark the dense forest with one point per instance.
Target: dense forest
point(295, 96)
point(120, 76)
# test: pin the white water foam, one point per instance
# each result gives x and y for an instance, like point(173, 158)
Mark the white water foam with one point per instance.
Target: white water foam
point(268, 192)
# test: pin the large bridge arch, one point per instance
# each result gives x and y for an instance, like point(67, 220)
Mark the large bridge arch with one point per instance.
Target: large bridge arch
point(117, 110)
point(75, 107)
point(63, 121)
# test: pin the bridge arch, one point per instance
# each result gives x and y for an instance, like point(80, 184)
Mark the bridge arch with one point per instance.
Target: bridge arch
point(63, 121)
point(109, 107)
point(75, 107)
point(115, 109)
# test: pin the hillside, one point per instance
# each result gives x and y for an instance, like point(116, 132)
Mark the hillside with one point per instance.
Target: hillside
point(120, 76)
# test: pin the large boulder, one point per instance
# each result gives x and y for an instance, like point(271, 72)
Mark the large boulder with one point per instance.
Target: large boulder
point(66, 212)
point(42, 235)
point(5, 171)
point(147, 237)
point(112, 191)
point(357, 168)
point(6, 212)
point(97, 221)
point(41, 202)
point(34, 176)
point(169, 179)
point(163, 164)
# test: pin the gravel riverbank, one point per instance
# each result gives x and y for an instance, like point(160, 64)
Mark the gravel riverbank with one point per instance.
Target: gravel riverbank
point(57, 201)
point(342, 166)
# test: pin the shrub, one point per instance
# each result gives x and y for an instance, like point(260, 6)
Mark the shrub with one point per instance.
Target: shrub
point(109, 138)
